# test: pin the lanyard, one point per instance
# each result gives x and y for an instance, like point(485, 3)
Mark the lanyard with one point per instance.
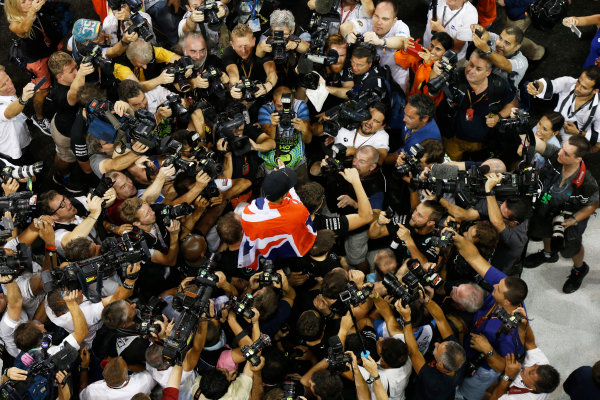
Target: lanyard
point(247, 75)
point(518, 390)
point(454, 16)
point(253, 5)
point(40, 28)
point(478, 100)
point(363, 143)
point(572, 114)
point(342, 18)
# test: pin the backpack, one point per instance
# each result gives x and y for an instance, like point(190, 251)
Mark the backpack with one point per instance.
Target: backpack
point(547, 13)
point(16, 54)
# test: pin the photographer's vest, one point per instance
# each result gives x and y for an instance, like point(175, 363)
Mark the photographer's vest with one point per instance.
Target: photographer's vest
point(288, 148)
point(152, 70)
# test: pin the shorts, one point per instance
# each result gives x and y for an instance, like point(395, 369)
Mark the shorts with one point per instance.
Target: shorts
point(40, 69)
point(63, 144)
point(356, 247)
point(541, 228)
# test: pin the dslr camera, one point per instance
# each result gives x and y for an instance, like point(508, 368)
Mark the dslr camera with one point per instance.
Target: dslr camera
point(509, 322)
point(268, 276)
point(278, 43)
point(174, 103)
point(210, 8)
point(170, 213)
point(24, 172)
point(248, 88)
point(93, 54)
point(335, 163)
point(139, 24)
point(412, 160)
point(353, 296)
point(243, 306)
point(180, 69)
point(227, 123)
point(407, 291)
point(430, 278)
point(252, 353)
point(449, 74)
point(14, 264)
point(336, 358)
point(213, 76)
point(150, 313)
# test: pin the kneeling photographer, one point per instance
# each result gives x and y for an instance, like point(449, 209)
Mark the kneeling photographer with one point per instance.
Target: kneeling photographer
point(569, 197)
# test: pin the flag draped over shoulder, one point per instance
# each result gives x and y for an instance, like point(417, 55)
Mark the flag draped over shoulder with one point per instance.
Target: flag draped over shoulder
point(275, 231)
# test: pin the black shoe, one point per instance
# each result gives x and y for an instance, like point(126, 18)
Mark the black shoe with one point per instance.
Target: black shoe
point(536, 259)
point(574, 281)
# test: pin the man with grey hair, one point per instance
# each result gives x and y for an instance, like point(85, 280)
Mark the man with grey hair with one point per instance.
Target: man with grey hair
point(195, 21)
point(194, 45)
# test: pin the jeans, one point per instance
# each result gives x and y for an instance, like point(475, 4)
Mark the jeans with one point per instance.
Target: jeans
point(166, 22)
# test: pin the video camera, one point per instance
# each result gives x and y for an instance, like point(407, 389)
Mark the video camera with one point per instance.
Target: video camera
point(412, 160)
point(15, 264)
point(248, 88)
point(210, 8)
point(336, 358)
point(469, 186)
point(351, 113)
point(150, 313)
point(180, 68)
point(268, 276)
point(335, 163)
point(407, 291)
point(20, 203)
point(449, 75)
point(141, 127)
point(353, 296)
point(118, 254)
point(192, 306)
point(24, 172)
point(252, 353)
point(170, 213)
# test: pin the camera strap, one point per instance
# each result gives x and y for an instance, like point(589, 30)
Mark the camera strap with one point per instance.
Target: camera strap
point(444, 24)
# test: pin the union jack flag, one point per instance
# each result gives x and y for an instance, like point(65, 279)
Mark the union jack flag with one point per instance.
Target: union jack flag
point(275, 231)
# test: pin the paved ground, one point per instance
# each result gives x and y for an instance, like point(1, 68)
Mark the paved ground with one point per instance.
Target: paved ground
point(566, 326)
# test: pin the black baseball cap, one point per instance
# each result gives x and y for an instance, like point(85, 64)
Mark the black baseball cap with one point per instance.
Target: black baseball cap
point(278, 183)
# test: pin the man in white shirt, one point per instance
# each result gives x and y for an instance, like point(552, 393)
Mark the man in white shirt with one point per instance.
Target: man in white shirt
point(117, 22)
point(370, 132)
point(14, 133)
point(454, 17)
point(351, 10)
point(386, 33)
point(195, 21)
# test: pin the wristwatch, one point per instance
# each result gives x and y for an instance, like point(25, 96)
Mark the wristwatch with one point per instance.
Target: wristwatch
point(491, 353)
point(506, 378)
point(371, 379)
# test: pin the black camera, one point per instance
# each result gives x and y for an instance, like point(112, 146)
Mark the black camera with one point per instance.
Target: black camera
point(430, 278)
point(225, 128)
point(92, 53)
point(149, 314)
point(243, 306)
point(407, 291)
point(446, 237)
point(180, 69)
point(287, 114)
point(558, 230)
point(213, 75)
point(174, 103)
point(268, 276)
point(105, 184)
point(351, 113)
point(210, 8)
point(252, 353)
point(448, 75)
point(139, 24)
point(335, 163)
point(170, 213)
point(521, 121)
point(140, 127)
point(289, 390)
point(336, 358)
point(412, 161)
point(248, 88)
point(22, 203)
point(278, 43)
point(15, 264)
point(309, 81)
point(509, 322)
point(354, 296)
point(210, 166)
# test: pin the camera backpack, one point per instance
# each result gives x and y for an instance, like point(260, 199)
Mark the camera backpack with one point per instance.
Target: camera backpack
point(547, 13)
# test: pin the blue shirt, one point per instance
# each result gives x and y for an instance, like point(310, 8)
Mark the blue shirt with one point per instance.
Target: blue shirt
point(488, 324)
point(580, 385)
point(594, 53)
point(429, 131)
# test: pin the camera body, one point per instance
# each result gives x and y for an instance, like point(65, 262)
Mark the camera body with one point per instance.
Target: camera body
point(336, 358)
point(180, 69)
point(94, 56)
point(252, 353)
point(139, 24)
point(174, 103)
point(509, 322)
point(278, 43)
point(521, 121)
point(170, 213)
point(335, 163)
point(105, 184)
point(429, 278)
point(406, 292)
point(287, 114)
point(14, 264)
point(413, 161)
point(210, 8)
point(448, 75)
point(248, 88)
point(445, 238)
point(150, 313)
point(21, 203)
point(140, 127)
point(213, 75)
point(225, 127)
point(243, 306)
point(354, 296)
point(268, 276)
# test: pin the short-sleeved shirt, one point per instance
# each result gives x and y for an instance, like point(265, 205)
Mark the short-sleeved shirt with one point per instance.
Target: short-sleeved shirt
point(7, 328)
point(386, 55)
point(581, 386)
point(14, 132)
point(65, 113)
point(379, 140)
point(429, 131)
point(139, 382)
point(95, 160)
point(423, 242)
point(457, 23)
point(93, 316)
point(433, 384)
point(252, 68)
point(339, 224)
point(211, 36)
point(517, 61)
point(532, 357)
point(111, 27)
point(161, 56)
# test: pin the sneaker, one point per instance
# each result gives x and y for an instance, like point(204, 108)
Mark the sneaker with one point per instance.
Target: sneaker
point(574, 281)
point(43, 124)
point(536, 259)
point(71, 187)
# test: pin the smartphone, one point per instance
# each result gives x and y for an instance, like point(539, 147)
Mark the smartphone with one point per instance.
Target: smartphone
point(479, 32)
point(576, 31)
point(39, 84)
point(414, 51)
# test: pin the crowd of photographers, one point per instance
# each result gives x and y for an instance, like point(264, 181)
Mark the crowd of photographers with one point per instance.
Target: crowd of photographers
point(247, 205)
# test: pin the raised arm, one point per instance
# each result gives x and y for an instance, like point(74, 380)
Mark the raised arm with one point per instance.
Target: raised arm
point(417, 359)
point(470, 253)
point(79, 323)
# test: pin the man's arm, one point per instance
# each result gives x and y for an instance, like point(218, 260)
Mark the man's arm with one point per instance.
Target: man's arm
point(163, 79)
point(470, 253)
point(440, 319)
point(385, 310)
point(482, 44)
point(193, 354)
point(404, 235)
point(169, 259)
point(153, 191)
point(417, 359)
point(460, 214)
point(78, 82)
point(16, 107)
point(119, 162)
point(378, 228)
point(85, 227)
point(14, 299)
point(493, 210)
point(125, 290)
point(79, 323)
point(340, 92)
point(365, 211)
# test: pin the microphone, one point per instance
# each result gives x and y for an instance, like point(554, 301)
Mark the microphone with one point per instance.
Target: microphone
point(444, 171)
point(484, 169)
point(323, 6)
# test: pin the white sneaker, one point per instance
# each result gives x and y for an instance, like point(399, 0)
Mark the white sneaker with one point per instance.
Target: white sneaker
point(43, 124)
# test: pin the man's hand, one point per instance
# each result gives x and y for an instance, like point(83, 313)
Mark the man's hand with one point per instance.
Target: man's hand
point(532, 90)
point(570, 128)
point(166, 172)
point(356, 276)
point(264, 47)
point(139, 147)
point(436, 25)
point(174, 227)
point(297, 278)
point(94, 205)
point(481, 42)
point(120, 107)
point(163, 112)
point(491, 120)
point(513, 367)
point(383, 219)
point(372, 38)
point(350, 175)
point(84, 353)
point(109, 197)
point(10, 187)
point(322, 305)
point(236, 93)
point(197, 16)
point(404, 311)
point(71, 297)
point(404, 234)
point(259, 367)
point(86, 69)
point(299, 125)
point(371, 366)
point(275, 118)
point(16, 374)
point(570, 21)
point(492, 180)
point(346, 322)
point(351, 37)
point(166, 77)
point(480, 343)
point(203, 178)
point(6, 279)
point(46, 230)
point(130, 37)
point(345, 201)
point(28, 91)
point(200, 83)
point(37, 5)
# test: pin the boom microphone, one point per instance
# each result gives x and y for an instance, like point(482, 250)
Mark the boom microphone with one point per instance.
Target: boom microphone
point(323, 6)
point(444, 171)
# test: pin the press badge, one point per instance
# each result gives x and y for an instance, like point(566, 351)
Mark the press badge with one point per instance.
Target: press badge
point(469, 114)
point(254, 24)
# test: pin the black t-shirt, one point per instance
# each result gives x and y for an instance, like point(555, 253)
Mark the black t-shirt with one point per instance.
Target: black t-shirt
point(65, 113)
point(247, 166)
point(423, 243)
point(339, 224)
point(434, 385)
point(228, 264)
point(252, 68)
point(307, 264)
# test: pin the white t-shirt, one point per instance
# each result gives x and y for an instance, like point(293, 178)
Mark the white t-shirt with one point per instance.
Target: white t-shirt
point(110, 26)
point(140, 382)
point(14, 132)
point(356, 12)
point(7, 328)
point(457, 24)
point(156, 97)
point(212, 36)
point(532, 357)
point(93, 316)
point(379, 140)
point(162, 378)
point(394, 380)
point(386, 56)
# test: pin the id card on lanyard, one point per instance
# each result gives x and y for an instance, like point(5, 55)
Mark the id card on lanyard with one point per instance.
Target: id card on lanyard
point(254, 22)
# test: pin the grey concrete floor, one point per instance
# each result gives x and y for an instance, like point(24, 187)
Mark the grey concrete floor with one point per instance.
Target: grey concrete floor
point(566, 326)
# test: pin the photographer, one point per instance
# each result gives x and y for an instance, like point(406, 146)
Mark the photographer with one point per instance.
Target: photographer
point(241, 60)
point(369, 131)
point(338, 77)
point(481, 99)
point(419, 123)
point(454, 17)
point(422, 65)
point(88, 32)
point(509, 217)
point(569, 192)
point(507, 298)
point(290, 134)
point(351, 10)
point(503, 51)
point(117, 23)
point(16, 136)
point(384, 31)
point(102, 153)
point(195, 21)
point(438, 381)
point(117, 383)
point(146, 63)
point(577, 101)
point(414, 238)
